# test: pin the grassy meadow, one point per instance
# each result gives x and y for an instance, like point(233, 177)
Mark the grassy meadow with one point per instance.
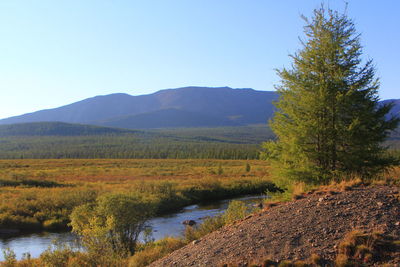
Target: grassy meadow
point(40, 194)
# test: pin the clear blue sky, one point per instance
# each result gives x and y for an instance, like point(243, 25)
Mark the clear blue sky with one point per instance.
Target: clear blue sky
point(54, 53)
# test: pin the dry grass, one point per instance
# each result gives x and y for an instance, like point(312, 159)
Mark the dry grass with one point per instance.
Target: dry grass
point(298, 190)
point(392, 176)
point(122, 170)
point(155, 251)
point(358, 248)
point(68, 183)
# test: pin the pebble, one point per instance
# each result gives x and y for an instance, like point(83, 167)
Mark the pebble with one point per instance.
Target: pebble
point(195, 242)
point(321, 199)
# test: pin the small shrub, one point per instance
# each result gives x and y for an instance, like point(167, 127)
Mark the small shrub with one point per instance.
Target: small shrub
point(155, 251)
point(300, 264)
point(248, 167)
point(343, 261)
point(112, 224)
point(29, 183)
point(285, 263)
point(361, 251)
point(209, 183)
point(346, 248)
point(361, 248)
point(207, 226)
point(298, 188)
point(297, 197)
point(57, 257)
point(269, 263)
point(220, 170)
point(315, 259)
point(236, 210)
point(10, 259)
point(54, 224)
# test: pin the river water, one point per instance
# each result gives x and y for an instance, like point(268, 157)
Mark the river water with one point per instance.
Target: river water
point(166, 225)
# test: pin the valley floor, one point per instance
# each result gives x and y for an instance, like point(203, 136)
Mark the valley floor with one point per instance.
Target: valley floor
point(40, 194)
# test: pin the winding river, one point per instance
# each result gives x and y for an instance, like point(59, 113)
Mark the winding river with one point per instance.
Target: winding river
point(166, 225)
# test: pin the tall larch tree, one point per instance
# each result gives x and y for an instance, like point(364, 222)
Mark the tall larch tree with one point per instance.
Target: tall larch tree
point(329, 123)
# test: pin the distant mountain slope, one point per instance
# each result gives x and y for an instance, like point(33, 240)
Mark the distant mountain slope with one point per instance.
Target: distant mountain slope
point(167, 118)
point(244, 106)
point(90, 109)
point(56, 129)
point(193, 106)
point(252, 134)
point(396, 106)
point(182, 107)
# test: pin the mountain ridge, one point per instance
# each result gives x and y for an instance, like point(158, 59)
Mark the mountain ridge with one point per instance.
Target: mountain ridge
point(190, 106)
point(220, 104)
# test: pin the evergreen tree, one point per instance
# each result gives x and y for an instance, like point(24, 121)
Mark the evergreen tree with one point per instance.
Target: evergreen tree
point(329, 123)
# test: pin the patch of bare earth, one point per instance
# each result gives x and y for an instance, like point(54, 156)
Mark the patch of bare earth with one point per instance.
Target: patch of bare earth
point(313, 225)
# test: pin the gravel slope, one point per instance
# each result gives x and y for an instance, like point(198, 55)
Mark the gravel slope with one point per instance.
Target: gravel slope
point(295, 230)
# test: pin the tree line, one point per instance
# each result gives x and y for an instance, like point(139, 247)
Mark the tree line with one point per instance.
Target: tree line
point(121, 147)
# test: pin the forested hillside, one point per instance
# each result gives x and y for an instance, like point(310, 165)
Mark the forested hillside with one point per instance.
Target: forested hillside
point(56, 129)
point(62, 140)
point(47, 141)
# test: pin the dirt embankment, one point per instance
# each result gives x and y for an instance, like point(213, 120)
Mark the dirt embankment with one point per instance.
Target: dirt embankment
point(313, 225)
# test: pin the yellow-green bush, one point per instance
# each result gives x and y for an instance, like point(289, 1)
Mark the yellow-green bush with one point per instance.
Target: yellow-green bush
point(154, 251)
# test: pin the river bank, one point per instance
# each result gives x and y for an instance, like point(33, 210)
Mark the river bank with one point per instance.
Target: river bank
point(47, 191)
point(162, 226)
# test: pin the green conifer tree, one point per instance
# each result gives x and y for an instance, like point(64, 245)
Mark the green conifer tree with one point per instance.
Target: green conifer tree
point(329, 123)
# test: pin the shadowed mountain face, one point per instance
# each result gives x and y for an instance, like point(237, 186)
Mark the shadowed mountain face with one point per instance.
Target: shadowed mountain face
point(183, 107)
point(395, 111)
point(168, 118)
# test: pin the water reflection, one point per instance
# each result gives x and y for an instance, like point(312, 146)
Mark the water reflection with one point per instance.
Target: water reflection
point(35, 244)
